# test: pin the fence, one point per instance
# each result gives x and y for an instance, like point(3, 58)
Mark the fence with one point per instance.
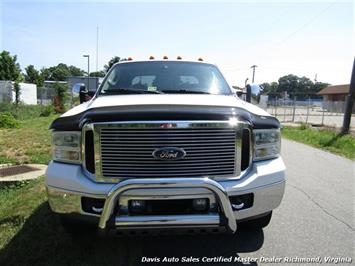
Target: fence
point(312, 111)
point(5, 91)
point(41, 95)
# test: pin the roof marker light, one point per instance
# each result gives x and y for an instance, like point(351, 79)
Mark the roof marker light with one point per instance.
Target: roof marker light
point(179, 57)
point(151, 57)
point(200, 59)
point(129, 58)
point(165, 57)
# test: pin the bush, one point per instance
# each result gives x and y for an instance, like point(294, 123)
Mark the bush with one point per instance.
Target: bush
point(47, 110)
point(7, 120)
point(303, 126)
point(23, 111)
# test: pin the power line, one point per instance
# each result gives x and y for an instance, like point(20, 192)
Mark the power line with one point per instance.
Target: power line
point(311, 20)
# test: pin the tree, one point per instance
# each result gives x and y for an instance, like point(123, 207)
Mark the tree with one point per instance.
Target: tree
point(17, 90)
point(318, 86)
point(270, 88)
point(62, 96)
point(113, 61)
point(61, 72)
point(9, 68)
point(100, 73)
point(32, 75)
point(296, 86)
point(75, 71)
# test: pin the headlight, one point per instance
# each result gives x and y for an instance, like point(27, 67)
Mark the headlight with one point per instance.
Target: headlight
point(266, 144)
point(67, 146)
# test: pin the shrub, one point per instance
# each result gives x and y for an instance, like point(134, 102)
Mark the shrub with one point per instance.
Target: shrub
point(7, 120)
point(303, 126)
point(24, 111)
point(47, 110)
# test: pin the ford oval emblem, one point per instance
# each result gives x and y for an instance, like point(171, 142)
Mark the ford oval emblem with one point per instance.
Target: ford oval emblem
point(169, 153)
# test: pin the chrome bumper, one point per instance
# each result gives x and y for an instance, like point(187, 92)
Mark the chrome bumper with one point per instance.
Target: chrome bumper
point(66, 185)
point(219, 192)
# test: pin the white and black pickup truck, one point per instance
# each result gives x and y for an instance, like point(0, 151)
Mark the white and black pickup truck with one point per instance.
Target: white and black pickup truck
point(165, 144)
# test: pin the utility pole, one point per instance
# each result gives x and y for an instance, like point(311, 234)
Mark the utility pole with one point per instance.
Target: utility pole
point(97, 48)
point(349, 104)
point(253, 67)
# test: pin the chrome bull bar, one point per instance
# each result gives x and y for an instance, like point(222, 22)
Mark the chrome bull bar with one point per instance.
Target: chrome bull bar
point(219, 192)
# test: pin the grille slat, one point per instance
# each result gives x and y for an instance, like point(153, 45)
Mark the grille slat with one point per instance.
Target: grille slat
point(121, 159)
point(127, 153)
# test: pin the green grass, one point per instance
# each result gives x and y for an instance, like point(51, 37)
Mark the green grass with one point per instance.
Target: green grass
point(26, 111)
point(31, 143)
point(323, 139)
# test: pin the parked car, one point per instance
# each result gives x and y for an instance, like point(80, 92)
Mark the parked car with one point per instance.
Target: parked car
point(165, 144)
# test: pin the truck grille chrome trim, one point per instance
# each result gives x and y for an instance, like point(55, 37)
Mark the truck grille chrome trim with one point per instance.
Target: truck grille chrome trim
point(226, 214)
point(124, 150)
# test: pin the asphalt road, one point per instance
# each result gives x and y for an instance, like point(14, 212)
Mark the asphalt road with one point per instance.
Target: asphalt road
point(315, 219)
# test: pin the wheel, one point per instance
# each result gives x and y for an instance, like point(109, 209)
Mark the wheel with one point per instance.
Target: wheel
point(76, 227)
point(257, 223)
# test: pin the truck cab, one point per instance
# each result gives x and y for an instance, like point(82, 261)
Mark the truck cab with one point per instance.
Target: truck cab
point(165, 144)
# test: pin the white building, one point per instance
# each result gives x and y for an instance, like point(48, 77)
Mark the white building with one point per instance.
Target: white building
point(28, 92)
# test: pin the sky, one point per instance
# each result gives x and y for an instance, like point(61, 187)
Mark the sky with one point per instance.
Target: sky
point(280, 37)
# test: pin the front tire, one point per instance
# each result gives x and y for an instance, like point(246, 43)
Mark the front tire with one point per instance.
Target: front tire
point(257, 223)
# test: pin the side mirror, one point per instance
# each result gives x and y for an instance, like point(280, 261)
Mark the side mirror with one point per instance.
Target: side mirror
point(78, 88)
point(253, 93)
point(84, 94)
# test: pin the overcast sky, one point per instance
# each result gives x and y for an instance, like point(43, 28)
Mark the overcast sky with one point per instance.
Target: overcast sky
point(302, 38)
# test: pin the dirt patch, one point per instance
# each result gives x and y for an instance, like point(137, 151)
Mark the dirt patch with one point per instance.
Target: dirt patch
point(17, 169)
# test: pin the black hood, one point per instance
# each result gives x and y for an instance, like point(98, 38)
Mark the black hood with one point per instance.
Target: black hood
point(163, 113)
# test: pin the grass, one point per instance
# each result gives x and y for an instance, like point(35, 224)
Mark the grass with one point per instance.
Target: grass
point(26, 111)
point(324, 139)
point(31, 143)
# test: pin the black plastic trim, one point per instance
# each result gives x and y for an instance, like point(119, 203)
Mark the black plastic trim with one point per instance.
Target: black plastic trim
point(162, 112)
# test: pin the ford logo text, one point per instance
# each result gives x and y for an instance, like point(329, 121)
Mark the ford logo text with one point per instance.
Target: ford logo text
point(169, 153)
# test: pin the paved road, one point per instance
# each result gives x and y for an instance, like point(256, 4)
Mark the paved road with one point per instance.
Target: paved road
point(316, 217)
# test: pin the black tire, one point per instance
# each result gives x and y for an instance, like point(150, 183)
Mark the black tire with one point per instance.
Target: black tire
point(257, 223)
point(76, 227)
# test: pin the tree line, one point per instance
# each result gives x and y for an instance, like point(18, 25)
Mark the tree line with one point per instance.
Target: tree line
point(291, 85)
point(10, 70)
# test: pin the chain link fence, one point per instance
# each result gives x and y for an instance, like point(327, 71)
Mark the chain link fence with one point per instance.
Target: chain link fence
point(315, 112)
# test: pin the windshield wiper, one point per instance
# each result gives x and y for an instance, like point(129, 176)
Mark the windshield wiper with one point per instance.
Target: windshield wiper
point(184, 91)
point(131, 91)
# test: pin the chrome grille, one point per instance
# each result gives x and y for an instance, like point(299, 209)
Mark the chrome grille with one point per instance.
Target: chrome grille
point(127, 153)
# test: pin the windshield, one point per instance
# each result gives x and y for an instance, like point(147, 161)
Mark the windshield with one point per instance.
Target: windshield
point(164, 77)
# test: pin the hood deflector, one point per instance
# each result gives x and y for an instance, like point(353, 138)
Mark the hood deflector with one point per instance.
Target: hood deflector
point(162, 112)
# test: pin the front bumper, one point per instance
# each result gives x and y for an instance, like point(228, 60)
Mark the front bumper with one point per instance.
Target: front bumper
point(66, 185)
